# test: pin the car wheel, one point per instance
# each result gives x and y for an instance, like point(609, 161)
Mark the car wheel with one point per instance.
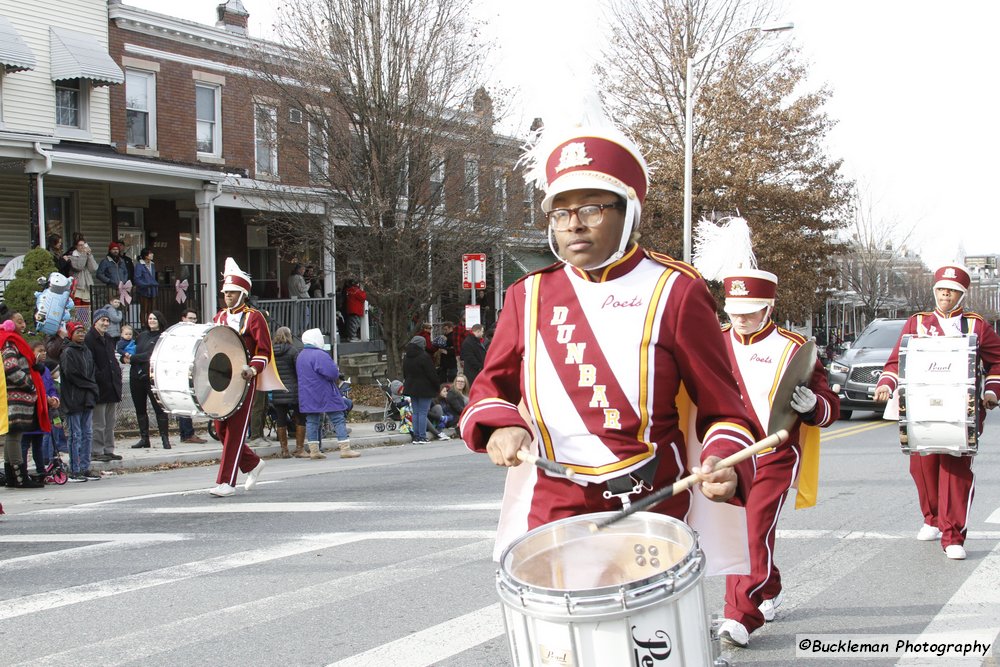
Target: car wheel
point(846, 414)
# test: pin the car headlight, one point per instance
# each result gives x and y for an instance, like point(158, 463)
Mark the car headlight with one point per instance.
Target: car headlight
point(839, 368)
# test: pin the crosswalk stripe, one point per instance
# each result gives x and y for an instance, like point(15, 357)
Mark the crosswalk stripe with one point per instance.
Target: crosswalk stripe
point(264, 612)
point(827, 436)
point(433, 644)
point(972, 613)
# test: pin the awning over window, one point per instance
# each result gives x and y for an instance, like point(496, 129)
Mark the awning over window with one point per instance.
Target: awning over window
point(519, 261)
point(76, 55)
point(15, 55)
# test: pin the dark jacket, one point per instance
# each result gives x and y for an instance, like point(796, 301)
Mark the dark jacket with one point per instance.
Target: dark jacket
point(420, 379)
point(456, 401)
point(78, 390)
point(107, 370)
point(145, 279)
point(473, 356)
point(285, 356)
point(144, 344)
point(111, 271)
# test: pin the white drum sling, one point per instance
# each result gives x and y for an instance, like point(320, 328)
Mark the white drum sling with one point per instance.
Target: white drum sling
point(629, 594)
point(195, 370)
point(939, 387)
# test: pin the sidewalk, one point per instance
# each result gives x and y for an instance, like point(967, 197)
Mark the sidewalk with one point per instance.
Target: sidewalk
point(363, 436)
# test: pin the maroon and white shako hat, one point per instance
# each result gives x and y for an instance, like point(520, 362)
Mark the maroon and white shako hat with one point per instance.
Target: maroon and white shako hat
point(235, 279)
point(749, 290)
point(594, 158)
point(953, 276)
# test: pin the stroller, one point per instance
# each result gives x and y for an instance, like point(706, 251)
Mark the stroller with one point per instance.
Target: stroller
point(55, 471)
point(396, 406)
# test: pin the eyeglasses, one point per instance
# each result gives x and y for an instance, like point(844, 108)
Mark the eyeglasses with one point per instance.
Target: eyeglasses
point(191, 318)
point(589, 215)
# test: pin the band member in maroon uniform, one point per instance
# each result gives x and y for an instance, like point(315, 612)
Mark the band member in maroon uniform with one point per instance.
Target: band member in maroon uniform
point(261, 374)
point(759, 352)
point(945, 483)
point(593, 355)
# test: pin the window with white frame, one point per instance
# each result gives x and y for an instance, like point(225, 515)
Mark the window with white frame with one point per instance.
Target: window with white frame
point(437, 182)
point(208, 109)
point(529, 204)
point(500, 192)
point(319, 153)
point(471, 184)
point(140, 108)
point(71, 103)
point(266, 139)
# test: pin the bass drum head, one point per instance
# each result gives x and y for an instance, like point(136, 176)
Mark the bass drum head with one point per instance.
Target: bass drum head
point(216, 383)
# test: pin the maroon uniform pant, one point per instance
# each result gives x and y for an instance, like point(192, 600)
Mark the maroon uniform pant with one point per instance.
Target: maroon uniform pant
point(945, 486)
point(236, 454)
point(744, 592)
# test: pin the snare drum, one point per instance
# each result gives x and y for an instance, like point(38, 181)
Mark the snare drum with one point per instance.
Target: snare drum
point(939, 381)
point(195, 370)
point(629, 594)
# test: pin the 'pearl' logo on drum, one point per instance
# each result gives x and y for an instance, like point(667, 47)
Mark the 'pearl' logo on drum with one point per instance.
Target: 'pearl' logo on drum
point(550, 656)
point(651, 651)
point(937, 368)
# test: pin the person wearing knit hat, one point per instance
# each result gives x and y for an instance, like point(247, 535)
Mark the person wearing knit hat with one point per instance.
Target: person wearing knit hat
point(945, 483)
point(113, 271)
point(260, 373)
point(760, 352)
point(589, 355)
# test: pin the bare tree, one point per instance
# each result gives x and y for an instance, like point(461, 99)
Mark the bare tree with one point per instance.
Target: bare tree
point(395, 136)
point(877, 267)
point(759, 135)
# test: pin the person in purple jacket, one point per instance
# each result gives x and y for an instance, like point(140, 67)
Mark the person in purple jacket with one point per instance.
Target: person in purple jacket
point(318, 395)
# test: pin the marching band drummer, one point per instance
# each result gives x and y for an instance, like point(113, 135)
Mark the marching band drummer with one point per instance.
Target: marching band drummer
point(252, 326)
point(945, 482)
point(600, 351)
point(759, 351)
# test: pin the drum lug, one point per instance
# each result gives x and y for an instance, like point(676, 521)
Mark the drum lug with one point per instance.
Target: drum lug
point(569, 603)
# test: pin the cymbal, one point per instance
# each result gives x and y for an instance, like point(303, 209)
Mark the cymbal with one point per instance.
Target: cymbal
point(798, 372)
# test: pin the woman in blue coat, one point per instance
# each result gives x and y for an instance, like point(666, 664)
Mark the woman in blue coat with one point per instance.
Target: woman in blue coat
point(319, 395)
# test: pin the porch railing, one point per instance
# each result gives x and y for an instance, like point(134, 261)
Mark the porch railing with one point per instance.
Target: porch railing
point(165, 301)
point(301, 314)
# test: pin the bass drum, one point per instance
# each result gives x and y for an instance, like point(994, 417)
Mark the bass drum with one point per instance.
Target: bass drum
point(195, 370)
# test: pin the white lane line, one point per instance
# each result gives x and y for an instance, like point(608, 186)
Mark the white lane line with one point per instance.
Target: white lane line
point(263, 613)
point(871, 535)
point(29, 604)
point(294, 507)
point(115, 543)
point(994, 517)
point(433, 644)
point(972, 614)
point(128, 499)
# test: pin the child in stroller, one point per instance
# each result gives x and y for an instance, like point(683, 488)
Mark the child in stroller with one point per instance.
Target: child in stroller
point(397, 406)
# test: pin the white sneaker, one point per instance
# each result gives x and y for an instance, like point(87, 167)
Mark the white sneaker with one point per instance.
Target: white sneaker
point(442, 436)
point(769, 607)
point(928, 533)
point(733, 632)
point(223, 490)
point(955, 552)
point(252, 476)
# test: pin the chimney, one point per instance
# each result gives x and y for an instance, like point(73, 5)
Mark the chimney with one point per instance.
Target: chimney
point(233, 16)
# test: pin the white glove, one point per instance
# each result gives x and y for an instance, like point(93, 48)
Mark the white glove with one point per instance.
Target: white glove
point(803, 400)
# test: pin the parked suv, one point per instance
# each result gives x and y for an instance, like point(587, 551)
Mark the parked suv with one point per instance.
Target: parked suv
point(857, 370)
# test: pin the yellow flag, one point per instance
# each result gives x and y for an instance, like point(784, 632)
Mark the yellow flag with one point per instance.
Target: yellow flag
point(808, 467)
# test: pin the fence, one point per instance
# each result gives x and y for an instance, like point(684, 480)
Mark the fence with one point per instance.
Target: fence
point(301, 314)
point(165, 301)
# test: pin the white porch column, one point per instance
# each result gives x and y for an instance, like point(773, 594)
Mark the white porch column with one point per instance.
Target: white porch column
point(205, 200)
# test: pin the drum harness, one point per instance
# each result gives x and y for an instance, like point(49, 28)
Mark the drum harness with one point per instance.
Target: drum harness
point(634, 482)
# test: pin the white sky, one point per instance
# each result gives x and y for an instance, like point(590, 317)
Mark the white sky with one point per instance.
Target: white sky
point(914, 94)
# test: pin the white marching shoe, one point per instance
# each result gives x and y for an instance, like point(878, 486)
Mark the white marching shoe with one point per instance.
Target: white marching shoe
point(769, 607)
point(928, 533)
point(252, 476)
point(733, 632)
point(955, 552)
point(223, 490)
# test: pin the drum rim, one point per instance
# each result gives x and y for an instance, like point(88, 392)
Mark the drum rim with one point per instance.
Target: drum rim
point(623, 597)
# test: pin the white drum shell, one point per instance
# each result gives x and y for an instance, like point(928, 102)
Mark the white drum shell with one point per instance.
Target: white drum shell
point(181, 365)
point(939, 381)
point(660, 619)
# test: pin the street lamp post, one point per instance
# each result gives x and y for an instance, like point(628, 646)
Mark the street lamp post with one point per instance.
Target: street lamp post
point(689, 113)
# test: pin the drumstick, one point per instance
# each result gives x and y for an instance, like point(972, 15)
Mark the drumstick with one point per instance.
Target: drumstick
point(772, 440)
point(545, 464)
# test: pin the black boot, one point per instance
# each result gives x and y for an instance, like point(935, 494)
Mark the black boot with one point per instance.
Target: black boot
point(8, 474)
point(22, 480)
point(143, 422)
point(164, 425)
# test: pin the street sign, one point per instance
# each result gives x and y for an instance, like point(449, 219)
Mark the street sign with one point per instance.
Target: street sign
point(473, 316)
point(474, 271)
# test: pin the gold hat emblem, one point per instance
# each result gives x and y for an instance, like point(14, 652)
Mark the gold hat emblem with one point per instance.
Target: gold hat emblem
point(738, 288)
point(573, 155)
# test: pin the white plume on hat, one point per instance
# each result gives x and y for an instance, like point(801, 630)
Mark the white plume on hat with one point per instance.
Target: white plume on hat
point(720, 250)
